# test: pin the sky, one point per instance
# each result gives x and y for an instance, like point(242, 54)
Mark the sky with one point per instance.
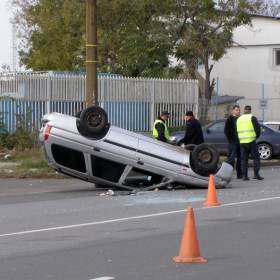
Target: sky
point(6, 34)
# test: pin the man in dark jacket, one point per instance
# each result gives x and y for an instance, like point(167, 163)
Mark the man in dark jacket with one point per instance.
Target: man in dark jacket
point(193, 133)
point(233, 141)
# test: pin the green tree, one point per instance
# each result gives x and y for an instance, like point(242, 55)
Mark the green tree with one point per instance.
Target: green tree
point(135, 38)
point(203, 29)
point(128, 40)
point(51, 33)
point(54, 36)
point(5, 68)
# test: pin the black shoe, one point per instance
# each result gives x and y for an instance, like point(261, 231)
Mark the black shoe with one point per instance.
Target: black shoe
point(239, 177)
point(245, 178)
point(258, 177)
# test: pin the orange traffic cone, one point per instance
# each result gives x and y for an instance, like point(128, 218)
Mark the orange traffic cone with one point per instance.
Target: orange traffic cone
point(211, 199)
point(189, 251)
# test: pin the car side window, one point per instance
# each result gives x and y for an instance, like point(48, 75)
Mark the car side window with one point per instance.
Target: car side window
point(275, 127)
point(106, 169)
point(139, 178)
point(69, 158)
point(218, 127)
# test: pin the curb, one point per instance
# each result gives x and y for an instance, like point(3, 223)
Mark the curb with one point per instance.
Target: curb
point(271, 162)
point(2, 164)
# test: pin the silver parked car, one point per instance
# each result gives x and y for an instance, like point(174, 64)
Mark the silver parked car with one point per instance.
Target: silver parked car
point(87, 147)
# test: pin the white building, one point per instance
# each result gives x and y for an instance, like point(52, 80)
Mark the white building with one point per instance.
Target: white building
point(251, 68)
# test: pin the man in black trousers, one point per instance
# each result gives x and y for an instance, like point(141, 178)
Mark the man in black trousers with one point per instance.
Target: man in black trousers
point(248, 130)
point(233, 141)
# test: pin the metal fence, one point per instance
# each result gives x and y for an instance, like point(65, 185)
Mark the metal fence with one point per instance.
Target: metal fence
point(131, 103)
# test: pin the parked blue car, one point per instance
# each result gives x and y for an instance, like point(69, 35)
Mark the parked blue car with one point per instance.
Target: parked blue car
point(268, 142)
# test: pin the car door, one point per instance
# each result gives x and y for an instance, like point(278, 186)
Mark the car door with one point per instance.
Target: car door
point(158, 157)
point(214, 134)
point(112, 156)
point(117, 146)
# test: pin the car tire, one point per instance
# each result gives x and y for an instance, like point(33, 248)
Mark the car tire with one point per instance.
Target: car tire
point(190, 147)
point(265, 151)
point(205, 157)
point(94, 120)
point(78, 114)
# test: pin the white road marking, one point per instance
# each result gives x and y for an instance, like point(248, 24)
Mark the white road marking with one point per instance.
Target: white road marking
point(132, 218)
point(103, 278)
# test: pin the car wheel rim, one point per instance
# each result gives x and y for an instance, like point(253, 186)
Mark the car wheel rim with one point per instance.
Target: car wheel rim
point(93, 119)
point(264, 152)
point(204, 157)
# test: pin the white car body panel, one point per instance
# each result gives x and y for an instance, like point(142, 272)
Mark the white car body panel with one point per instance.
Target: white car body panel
point(125, 148)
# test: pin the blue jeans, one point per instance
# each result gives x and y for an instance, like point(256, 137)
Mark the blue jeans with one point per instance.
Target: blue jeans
point(234, 149)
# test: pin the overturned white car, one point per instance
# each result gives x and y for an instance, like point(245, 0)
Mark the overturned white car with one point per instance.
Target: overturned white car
point(87, 147)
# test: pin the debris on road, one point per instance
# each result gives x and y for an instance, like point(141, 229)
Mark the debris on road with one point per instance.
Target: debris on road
point(8, 170)
point(110, 192)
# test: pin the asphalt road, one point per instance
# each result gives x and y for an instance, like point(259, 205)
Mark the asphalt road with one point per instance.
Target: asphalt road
point(64, 229)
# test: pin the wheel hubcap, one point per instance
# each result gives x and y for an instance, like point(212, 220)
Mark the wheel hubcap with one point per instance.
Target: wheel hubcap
point(264, 152)
point(205, 156)
point(94, 119)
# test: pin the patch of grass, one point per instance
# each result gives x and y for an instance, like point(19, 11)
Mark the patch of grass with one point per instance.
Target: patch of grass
point(222, 159)
point(177, 128)
point(30, 164)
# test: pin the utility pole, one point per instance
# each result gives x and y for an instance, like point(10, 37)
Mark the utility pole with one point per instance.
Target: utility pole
point(91, 53)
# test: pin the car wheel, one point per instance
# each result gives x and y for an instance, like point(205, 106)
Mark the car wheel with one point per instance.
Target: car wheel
point(205, 157)
point(94, 119)
point(265, 151)
point(78, 114)
point(190, 147)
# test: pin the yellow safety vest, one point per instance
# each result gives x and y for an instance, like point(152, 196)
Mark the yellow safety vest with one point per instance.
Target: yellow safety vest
point(245, 129)
point(155, 132)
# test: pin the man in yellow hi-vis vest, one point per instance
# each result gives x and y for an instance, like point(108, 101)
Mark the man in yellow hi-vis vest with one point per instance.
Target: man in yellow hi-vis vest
point(248, 130)
point(160, 130)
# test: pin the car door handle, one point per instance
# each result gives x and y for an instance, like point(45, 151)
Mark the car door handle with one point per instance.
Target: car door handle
point(140, 162)
point(96, 149)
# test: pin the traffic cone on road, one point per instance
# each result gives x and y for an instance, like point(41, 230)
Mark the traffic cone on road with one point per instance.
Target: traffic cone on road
point(189, 251)
point(211, 199)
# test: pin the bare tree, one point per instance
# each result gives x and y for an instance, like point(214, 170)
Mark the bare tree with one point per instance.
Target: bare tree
point(267, 8)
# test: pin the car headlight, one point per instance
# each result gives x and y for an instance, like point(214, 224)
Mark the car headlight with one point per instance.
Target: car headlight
point(171, 138)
